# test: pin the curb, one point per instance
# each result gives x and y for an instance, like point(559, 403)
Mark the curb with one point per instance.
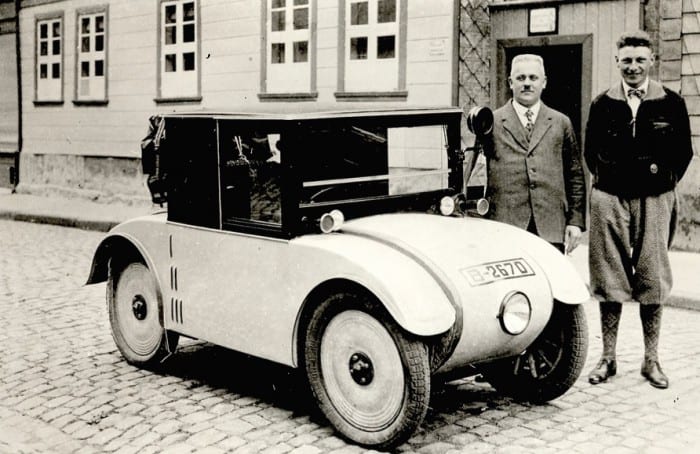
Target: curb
point(83, 224)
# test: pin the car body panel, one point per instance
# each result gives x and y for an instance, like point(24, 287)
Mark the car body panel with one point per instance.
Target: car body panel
point(216, 285)
point(231, 289)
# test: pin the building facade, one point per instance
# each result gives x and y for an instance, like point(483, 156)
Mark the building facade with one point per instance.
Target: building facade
point(9, 97)
point(94, 71)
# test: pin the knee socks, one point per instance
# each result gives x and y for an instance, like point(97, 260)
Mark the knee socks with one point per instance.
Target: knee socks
point(651, 325)
point(609, 321)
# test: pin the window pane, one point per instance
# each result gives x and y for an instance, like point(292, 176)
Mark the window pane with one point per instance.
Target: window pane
point(301, 2)
point(43, 71)
point(386, 11)
point(170, 14)
point(56, 47)
point(188, 11)
point(386, 46)
point(277, 53)
point(277, 21)
point(85, 44)
point(188, 33)
point(301, 51)
point(44, 48)
point(99, 24)
point(56, 71)
point(188, 61)
point(278, 3)
point(301, 18)
point(99, 43)
point(359, 13)
point(358, 48)
point(56, 29)
point(43, 31)
point(85, 25)
point(170, 65)
point(99, 67)
point(85, 69)
point(170, 35)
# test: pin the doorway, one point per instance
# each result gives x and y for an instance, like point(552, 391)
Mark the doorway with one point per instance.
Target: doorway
point(567, 61)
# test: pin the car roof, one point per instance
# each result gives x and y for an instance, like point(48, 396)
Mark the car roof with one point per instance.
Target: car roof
point(313, 111)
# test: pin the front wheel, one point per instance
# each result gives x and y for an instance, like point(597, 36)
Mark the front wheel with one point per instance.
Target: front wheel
point(370, 379)
point(550, 366)
point(135, 316)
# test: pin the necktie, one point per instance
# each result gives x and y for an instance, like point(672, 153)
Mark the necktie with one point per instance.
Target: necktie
point(637, 92)
point(530, 125)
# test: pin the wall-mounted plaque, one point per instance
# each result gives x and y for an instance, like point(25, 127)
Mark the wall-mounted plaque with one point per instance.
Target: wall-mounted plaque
point(542, 21)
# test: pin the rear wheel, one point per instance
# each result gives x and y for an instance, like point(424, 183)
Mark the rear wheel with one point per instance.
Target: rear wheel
point(551, 364)
point(370, 379)
point(135, 317)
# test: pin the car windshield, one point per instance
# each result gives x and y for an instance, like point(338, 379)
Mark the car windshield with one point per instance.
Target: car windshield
point(353, 162)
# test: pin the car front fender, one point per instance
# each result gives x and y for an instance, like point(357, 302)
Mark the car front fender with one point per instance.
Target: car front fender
point(564, 280)
point(416, 298)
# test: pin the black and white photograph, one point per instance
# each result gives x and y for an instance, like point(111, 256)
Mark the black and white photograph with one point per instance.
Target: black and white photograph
point(349, 226)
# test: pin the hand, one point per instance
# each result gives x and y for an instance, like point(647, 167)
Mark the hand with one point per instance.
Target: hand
point(572, 236)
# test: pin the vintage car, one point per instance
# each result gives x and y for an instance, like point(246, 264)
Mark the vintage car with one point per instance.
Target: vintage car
point(338, 241)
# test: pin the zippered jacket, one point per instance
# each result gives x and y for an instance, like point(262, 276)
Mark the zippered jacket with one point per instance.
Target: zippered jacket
point(642, 156)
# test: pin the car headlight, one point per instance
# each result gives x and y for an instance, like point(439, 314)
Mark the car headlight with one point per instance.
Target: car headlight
point(331, 222)
point(515, 313)
point(447, 206)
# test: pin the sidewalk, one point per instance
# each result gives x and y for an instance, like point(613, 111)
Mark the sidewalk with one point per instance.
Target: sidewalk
point(89, 215)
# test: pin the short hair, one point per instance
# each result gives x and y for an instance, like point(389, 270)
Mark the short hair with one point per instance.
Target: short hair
point(527, 57)
point(638, 38)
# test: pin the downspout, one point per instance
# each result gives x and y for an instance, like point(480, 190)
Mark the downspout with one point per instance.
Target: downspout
point(15, 176)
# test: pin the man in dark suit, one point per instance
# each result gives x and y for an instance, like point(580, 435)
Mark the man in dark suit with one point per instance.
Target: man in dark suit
point(638, 147)
point(535, 175)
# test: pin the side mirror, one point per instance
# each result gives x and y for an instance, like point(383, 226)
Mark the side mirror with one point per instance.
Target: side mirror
point(480, 121)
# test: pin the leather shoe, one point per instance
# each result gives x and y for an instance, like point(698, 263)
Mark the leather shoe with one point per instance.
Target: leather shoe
point(606, 368)
point(651, 370)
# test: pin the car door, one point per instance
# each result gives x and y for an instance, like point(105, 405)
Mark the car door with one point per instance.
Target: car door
point(229, 262)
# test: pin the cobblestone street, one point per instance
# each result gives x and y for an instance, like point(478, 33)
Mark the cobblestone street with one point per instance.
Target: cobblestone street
point(64, 388)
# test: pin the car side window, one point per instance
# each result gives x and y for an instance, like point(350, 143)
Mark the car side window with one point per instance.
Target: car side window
point(250, 174)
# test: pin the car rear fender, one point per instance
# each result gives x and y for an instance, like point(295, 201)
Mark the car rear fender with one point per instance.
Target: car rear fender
point(115, 246)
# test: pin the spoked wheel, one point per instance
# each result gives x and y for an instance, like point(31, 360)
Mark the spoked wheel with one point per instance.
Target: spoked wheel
point(370, 380)
point(551, 364)
point(134, 314)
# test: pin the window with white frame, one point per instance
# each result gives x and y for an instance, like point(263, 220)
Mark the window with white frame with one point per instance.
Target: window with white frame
point(288, 46)
point(49, 59)
point(91, 61)
point(179, 62)
point(371, 45)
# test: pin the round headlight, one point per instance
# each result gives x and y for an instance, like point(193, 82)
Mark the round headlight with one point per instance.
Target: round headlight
point(447, 206)
point(330, 222)
point(515, 313)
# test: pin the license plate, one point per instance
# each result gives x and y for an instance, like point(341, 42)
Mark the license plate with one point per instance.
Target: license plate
point(486, 273)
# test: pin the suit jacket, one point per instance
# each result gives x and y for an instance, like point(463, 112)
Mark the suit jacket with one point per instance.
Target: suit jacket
point(644, 157)
point(541, 179)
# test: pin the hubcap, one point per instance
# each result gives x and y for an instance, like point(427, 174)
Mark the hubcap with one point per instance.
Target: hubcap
point(361, 369)
point(136, 320)
point(139, 307)
point(367, 393)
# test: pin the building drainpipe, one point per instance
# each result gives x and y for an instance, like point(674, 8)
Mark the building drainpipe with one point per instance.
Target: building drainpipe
point(15, 173)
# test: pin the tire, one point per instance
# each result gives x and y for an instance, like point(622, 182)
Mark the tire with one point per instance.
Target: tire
point(133, 303)
point(369, 378)
point(550, 366)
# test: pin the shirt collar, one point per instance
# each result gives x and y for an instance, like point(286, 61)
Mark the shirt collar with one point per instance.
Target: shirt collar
point(520, 110)
point(644, 86)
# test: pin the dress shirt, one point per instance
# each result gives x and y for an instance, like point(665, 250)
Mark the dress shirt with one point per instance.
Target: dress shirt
point(634, 101)
point(520, 111)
